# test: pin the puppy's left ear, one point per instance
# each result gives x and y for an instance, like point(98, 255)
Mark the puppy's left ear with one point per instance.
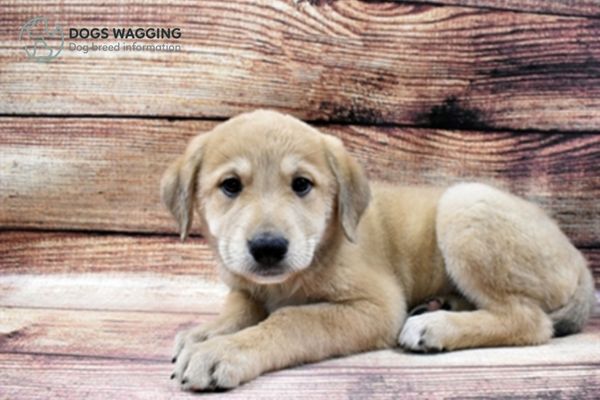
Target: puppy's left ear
point(354, 193)
point(178, 185)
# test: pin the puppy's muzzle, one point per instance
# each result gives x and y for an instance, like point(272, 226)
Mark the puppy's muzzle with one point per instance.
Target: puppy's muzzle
point(268, 249)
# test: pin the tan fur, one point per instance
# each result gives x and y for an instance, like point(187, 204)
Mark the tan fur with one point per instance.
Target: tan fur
point(360, 255)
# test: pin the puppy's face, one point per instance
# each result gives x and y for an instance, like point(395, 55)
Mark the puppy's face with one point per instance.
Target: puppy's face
point(268, 188)
point(267, 196)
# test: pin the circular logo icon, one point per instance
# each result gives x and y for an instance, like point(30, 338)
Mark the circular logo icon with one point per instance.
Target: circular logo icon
point(43, 44)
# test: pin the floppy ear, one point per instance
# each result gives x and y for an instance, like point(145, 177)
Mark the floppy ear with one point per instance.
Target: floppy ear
point(354, 193)
point(178, 185)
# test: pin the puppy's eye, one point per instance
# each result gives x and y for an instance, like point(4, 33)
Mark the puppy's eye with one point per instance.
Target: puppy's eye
point(301, 186)
point(231, 187)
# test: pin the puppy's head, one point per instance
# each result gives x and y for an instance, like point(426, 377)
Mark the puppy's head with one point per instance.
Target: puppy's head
point(268, 189)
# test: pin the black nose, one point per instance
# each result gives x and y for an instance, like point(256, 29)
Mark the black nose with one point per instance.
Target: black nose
point(267, 248)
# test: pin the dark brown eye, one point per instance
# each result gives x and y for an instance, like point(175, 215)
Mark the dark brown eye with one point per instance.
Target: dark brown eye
point(231, 187)
point(301, 186)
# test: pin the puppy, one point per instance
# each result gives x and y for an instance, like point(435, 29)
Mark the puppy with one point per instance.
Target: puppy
point(321, 263)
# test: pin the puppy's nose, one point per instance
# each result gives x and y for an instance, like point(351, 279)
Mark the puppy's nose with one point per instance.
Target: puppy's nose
point(268, 248)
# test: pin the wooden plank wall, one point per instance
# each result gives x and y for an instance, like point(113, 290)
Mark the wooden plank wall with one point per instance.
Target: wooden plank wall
point(422, 92)
point(343, 61)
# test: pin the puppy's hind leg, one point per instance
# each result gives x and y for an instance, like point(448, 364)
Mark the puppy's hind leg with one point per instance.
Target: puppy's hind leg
point(509, 259)
point(516, 322)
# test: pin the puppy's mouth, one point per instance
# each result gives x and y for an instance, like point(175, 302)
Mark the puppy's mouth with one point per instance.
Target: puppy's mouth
point(269, 274)
point(268, 271)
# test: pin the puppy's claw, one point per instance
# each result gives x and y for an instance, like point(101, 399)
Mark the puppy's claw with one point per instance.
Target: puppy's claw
point(174, 360)
point(173, 376)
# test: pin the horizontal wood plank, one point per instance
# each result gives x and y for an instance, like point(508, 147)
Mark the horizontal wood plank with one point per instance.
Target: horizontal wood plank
point(119, 273)
point(108, 272)
point(59, 253)
point(149, 336)
point(143, 292)
point(103, 174)
point(361, 62)
point(88, 174)
point(590, 8)
point(143, 335)
point(26, 377)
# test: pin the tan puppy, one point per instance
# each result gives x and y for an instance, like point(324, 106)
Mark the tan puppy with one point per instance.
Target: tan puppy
point(280, 203)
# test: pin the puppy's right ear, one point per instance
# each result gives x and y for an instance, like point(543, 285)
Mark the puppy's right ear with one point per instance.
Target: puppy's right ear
point(354, 193)
point(178, 185)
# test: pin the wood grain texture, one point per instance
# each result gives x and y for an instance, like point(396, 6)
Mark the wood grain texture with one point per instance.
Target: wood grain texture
point(590, 8)
point(90, 174)
point(129, 352)
point(97, 333)
point(119, 273)
point(27, 377)
point(143, 292)
point(140, 340)
point(593, 257)
point(361, 62)
point(56, 253)
point(103, 174)
point(108, 272)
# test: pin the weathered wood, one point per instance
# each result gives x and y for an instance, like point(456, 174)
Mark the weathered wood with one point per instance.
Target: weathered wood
point(89, 174)
point(27, 377)
point(149, 336)
point(145, 292)
point(108, 272)
point(144, 335)
point(103, 174)
point(56, 253)
point(352, 61)
point(589, 8)
point(593, 257)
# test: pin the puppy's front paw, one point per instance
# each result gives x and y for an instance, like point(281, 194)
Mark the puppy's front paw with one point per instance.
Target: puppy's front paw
point(217, 363)
point(425, 332)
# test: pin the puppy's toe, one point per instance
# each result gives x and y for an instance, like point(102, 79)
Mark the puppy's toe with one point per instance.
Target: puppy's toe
point(188, 338)
point(198, 374)
point(181, 362)
point(179, 343)
point(424, 333)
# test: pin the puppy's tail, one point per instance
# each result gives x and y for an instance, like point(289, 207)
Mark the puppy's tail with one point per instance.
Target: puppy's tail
point(571, 317)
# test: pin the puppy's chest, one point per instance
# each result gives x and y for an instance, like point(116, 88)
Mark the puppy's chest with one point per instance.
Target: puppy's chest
point(275, 299)
point(272, 305)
